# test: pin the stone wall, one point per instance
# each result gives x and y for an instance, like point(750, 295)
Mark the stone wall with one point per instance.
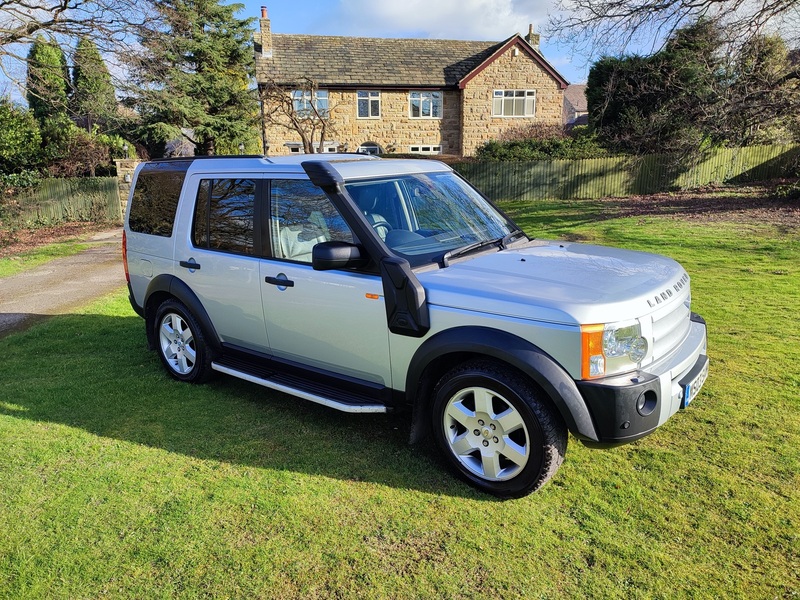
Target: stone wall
point(394, 131)
point(511, 70)
point(466, 122)
point(125, 169)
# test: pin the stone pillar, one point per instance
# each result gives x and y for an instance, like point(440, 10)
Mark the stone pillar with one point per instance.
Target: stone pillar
point(125, 169)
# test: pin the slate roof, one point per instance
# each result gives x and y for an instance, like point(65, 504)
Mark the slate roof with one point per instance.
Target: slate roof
point(575, 95)
point(334, 61)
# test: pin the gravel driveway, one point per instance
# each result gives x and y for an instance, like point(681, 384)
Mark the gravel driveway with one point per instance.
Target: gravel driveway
point(61, 285)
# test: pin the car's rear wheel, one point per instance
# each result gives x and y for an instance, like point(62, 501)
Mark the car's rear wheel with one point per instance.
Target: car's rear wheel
point(495, 429)
point(181, 344)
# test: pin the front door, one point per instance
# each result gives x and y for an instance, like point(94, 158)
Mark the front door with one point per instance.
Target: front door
point(331, 320)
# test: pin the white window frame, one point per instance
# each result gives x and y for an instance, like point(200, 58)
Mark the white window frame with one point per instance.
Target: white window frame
point(429, 99)
point(301, 100)
point(524, 98)
point(372, 99)
point(425, 149)
point(372, 148)
point(297, 147)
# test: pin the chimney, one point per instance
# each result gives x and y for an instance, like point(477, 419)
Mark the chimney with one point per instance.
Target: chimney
point(265, 36)
point(532, 38)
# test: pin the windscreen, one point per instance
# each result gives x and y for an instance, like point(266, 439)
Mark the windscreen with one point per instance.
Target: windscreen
point(421, 217)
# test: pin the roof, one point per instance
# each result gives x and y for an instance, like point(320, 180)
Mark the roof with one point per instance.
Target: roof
point(575, 95)
point(349, 62)
point(350, 166)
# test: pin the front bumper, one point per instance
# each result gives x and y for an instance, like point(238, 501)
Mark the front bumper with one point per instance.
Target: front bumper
point(629, 407)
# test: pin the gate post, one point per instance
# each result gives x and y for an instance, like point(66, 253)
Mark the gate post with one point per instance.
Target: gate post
point(125, 169)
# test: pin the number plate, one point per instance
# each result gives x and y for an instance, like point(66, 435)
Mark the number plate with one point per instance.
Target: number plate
point(692, 383)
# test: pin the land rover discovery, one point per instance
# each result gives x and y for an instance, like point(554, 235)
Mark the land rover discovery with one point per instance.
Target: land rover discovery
point(371, 285)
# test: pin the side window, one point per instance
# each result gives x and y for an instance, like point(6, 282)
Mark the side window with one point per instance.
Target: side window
point(155, 197)
point(224, 215)
point(302, 216)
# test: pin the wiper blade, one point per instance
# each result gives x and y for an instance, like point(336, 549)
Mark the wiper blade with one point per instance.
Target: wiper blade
point(510, 237)
point(451, 254)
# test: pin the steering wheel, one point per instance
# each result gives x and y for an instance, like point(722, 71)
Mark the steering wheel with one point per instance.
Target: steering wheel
point(383, 224)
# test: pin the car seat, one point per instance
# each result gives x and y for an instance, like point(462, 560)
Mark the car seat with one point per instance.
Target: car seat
point(379, 223)
point(297, 240)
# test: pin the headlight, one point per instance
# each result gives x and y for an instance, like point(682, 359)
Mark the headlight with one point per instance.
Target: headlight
point(625, 341)
point(611, 349)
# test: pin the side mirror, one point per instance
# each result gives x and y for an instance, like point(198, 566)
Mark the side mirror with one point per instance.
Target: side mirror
point(326, 256)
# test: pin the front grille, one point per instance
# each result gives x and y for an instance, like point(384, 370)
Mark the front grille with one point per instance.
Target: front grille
point(670, 328)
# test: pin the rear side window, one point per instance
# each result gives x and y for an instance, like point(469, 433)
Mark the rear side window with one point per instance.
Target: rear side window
point(224, 215)
point(155, 198)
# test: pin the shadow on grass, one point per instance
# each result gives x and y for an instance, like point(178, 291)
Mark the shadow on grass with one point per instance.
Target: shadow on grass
point(94, 372)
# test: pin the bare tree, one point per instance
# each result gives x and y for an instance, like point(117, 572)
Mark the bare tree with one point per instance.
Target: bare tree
point(298, 109)
point(108, 23)
point(612, 27)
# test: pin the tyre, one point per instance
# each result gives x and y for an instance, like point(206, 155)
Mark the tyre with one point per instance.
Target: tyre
point(181, 344)
point(495, 429)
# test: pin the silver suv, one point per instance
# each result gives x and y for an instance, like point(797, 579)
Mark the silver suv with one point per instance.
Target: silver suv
point(371, 285)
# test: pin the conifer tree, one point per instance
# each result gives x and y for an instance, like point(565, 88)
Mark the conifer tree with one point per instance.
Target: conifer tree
point(47, 82)
point(93, 101)
point(194, 74)
point(48, 98)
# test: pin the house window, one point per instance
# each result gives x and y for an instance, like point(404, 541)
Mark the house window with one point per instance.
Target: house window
point(297, 147)
point(425, 149)
point(369, 105)
point(426, 105)
point(302, 102)
point(514, 103)
point(369, 148)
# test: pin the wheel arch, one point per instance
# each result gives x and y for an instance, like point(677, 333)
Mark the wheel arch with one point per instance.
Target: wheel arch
point(439, 353)
point(164, 287)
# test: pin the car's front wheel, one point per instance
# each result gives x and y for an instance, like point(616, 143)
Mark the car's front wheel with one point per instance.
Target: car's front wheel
point(495, 429)
point(181, 344)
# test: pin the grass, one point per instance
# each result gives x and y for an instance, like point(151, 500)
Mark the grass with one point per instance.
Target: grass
point(116, 481)
point(12, 265)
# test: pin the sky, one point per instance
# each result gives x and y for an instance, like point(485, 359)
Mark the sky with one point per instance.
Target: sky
point(482, 20)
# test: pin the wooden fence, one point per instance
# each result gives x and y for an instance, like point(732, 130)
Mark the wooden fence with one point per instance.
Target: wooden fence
point(627, 176)
point(97, 199)
point(63, 200)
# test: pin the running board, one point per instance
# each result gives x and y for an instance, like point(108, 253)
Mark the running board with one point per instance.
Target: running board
point(329, 402)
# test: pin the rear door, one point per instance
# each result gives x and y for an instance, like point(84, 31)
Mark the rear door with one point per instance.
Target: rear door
point(219, 255)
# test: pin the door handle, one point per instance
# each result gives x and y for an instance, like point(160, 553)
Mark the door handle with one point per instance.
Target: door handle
point(279, 281)
point(189, 264)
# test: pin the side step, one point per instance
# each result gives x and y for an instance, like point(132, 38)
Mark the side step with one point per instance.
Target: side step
point(305, 395)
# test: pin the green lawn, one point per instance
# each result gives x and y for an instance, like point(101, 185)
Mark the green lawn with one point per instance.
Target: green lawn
point(116, 481)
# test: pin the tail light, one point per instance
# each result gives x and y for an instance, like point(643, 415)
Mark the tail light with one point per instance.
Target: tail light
point(125, 256)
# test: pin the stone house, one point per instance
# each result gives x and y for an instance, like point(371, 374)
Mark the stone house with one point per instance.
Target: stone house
point(576, 111)
point(419, 96)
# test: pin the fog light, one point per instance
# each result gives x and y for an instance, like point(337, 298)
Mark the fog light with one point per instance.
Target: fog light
point(646, 403)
